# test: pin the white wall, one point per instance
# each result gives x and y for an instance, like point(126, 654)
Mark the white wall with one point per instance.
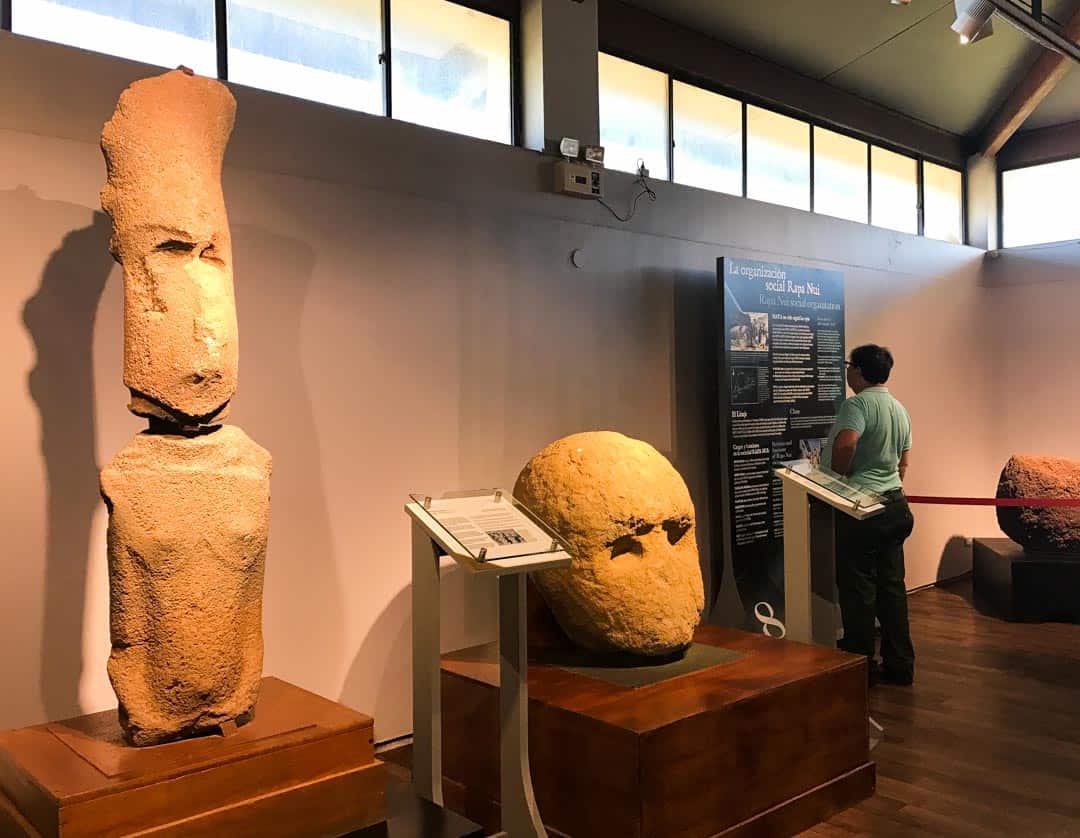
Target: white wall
point(409, 321)
point(1034, 300)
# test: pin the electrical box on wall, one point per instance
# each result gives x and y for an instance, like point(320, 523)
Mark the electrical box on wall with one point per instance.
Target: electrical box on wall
point(580, 179)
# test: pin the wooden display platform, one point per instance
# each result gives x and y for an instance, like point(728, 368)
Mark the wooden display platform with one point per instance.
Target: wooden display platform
point(410, 816)
point(767, 744)
point(1009, 582)
point(304, 766)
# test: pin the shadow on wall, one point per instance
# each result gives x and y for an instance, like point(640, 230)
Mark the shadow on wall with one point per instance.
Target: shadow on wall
point(60, 320)
point(303, 598)
point(303, 619)
point(385, 657)
point(696, 431)
point(955, 559)
point(383, 663)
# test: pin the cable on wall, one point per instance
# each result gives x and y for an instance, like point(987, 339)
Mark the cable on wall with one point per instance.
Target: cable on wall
point(642, 180)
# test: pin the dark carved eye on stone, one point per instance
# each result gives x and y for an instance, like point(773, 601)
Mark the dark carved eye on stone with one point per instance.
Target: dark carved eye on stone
point(626, 544)
point(210, 254)
point(676, 528)
point(176, 246)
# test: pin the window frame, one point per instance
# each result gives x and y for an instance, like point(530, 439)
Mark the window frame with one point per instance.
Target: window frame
point(809, 158)
point(747, 99)
point(963, 198)
point(507, 10)
point(510, 11)
point(624, 56)
point(7, 25)
point(1000, 178)
point(672, 81)
point(818, 126)
point(918, 161)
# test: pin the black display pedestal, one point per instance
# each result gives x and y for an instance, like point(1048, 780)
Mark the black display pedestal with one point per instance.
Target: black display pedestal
point(1025, 587)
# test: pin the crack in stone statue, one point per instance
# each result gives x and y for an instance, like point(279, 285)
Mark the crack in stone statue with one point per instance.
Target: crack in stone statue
point(634, 585)
point(189, 498)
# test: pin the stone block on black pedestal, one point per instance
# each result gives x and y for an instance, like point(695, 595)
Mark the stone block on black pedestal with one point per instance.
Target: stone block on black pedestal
point(1025, 587)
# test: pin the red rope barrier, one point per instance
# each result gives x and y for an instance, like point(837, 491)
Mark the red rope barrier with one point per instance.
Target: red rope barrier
point(1039, 502)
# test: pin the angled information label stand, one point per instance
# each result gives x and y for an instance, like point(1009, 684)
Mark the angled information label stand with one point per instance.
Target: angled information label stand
point(486, 532)
point(812, 496)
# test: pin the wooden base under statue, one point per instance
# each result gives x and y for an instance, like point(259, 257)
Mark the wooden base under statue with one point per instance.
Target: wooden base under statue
point(304, 766)
point(1019, 586)
point(768, 743)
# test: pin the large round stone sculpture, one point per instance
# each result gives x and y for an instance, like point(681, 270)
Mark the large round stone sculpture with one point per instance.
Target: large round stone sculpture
point(189, 498)
point(1041, 529)
point(634, 585)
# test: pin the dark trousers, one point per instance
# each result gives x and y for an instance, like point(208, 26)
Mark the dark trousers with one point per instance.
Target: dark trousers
point(870, 579)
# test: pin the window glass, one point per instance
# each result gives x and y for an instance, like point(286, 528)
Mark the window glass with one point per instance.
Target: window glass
point(777, 158)
point(840, 176)
point(323, 50)
point(167, 33)
point(633, 116)
point(708, 139)
point(943, 203)
point(894, 191)
point(1037, 203)
point(450, 68)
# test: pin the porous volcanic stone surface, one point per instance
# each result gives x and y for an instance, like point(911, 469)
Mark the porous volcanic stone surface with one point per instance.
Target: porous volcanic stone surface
point(1041, 529)
point(625, 513)
point(163, 150)
point(187, 539)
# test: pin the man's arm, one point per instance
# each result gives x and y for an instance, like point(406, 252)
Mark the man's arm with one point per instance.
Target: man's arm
point(905, 458)
point(843, 451)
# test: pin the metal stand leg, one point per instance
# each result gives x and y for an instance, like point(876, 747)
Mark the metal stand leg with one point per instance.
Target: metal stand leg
point(427, 696)
point(520, 818)
point(797, 592)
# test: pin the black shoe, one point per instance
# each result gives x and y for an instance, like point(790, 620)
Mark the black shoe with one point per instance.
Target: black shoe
point(873, 672)
point(896, 677)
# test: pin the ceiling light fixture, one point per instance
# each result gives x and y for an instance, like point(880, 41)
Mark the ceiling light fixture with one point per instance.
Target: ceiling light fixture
point(974, 20)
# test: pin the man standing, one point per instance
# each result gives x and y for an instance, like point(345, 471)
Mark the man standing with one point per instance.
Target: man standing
point(870, 444)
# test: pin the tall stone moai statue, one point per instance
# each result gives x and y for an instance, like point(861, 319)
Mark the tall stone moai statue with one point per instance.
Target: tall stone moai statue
point(188, 498)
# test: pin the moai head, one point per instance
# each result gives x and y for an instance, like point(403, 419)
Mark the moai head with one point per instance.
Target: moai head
point(163, 150)
point(626, 516)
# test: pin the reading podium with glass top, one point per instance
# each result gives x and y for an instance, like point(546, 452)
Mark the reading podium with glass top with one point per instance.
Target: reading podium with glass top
point(485, 532)
point(813, 496)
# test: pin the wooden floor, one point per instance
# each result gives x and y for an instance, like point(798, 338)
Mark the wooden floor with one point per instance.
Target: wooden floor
point(987, 741)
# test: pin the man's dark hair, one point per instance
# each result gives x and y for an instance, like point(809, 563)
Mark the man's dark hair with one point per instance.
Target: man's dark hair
point(873, 361)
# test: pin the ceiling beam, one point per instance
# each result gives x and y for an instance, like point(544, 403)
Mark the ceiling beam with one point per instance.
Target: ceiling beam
point(1041, 145)
point(1048, 70)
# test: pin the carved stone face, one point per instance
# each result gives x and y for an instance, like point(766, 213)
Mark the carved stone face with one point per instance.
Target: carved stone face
point(625, 513)
point(163, 148)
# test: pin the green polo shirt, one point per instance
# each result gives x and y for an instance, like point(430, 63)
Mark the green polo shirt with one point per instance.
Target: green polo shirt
point(884, 430)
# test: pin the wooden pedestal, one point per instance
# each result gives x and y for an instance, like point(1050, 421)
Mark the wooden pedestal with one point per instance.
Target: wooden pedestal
point(768, 744)
point(1019, 586)
point(305, 766)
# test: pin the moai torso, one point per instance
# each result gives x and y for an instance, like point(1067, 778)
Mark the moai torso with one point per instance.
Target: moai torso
point(188, 499)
